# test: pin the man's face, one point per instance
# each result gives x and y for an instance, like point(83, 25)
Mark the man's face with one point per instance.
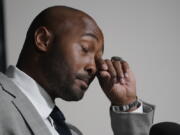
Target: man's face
point(71, 64)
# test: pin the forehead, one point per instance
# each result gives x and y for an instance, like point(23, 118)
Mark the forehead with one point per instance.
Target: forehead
point(84, 26)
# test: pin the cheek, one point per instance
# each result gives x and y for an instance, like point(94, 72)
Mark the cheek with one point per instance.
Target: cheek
point(76, 63)
point(75, 59)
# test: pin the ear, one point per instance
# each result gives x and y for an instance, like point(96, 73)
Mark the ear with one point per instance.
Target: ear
point(43, 38)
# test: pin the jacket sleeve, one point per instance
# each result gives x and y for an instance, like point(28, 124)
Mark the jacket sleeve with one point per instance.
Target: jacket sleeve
point(127, 123)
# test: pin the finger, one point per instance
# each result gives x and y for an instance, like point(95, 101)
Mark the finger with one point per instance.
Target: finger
point(104, 75)
point(125, 67)
point(119, 71)
point(111, 70)
point(118, 68)
point(101, 64)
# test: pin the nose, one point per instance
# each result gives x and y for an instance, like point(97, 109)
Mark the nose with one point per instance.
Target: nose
point(91, 68)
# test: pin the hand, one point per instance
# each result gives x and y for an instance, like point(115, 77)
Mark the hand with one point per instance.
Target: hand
point(117, 81)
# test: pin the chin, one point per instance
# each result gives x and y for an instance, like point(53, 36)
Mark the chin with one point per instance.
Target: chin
point(73, 98)
point(73, 95)
point(77, 98)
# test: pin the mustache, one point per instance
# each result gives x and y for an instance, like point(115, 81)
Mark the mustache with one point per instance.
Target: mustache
point(85, 77)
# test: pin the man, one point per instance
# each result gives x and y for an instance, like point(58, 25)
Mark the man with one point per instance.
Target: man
point(61, 56)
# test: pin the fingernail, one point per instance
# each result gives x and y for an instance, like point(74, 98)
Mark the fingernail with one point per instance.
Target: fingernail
point(126, 75)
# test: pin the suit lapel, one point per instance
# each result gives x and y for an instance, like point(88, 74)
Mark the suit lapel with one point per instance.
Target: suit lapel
point(31, 116)
point(25, 107)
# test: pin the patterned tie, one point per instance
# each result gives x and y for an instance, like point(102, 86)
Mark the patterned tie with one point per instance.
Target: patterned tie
point(59, 122)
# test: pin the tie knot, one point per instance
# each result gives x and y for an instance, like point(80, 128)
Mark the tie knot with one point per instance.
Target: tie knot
point(57, 115)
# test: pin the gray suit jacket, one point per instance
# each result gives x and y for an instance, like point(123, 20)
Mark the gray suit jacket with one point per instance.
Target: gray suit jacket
point(19, 117)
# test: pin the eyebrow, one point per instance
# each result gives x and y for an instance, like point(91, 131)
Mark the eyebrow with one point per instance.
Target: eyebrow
point(91, 35)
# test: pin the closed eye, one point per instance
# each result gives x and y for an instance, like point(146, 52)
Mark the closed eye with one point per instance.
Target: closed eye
point(85, 48)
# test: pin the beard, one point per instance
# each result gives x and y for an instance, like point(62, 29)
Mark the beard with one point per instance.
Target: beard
point(60, 79)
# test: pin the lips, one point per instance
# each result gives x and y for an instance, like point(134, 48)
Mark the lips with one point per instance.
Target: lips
point(85, 81)
point(84, 85)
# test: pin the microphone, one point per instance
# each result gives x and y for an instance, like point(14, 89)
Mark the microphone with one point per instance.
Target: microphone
point(165, 128)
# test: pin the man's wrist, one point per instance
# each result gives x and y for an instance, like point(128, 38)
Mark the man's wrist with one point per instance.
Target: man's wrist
point(126, 108)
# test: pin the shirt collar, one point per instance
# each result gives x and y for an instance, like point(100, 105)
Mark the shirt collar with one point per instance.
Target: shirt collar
point(34, 92)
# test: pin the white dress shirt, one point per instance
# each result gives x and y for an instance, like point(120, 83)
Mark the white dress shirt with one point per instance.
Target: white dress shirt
point(35, 93)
